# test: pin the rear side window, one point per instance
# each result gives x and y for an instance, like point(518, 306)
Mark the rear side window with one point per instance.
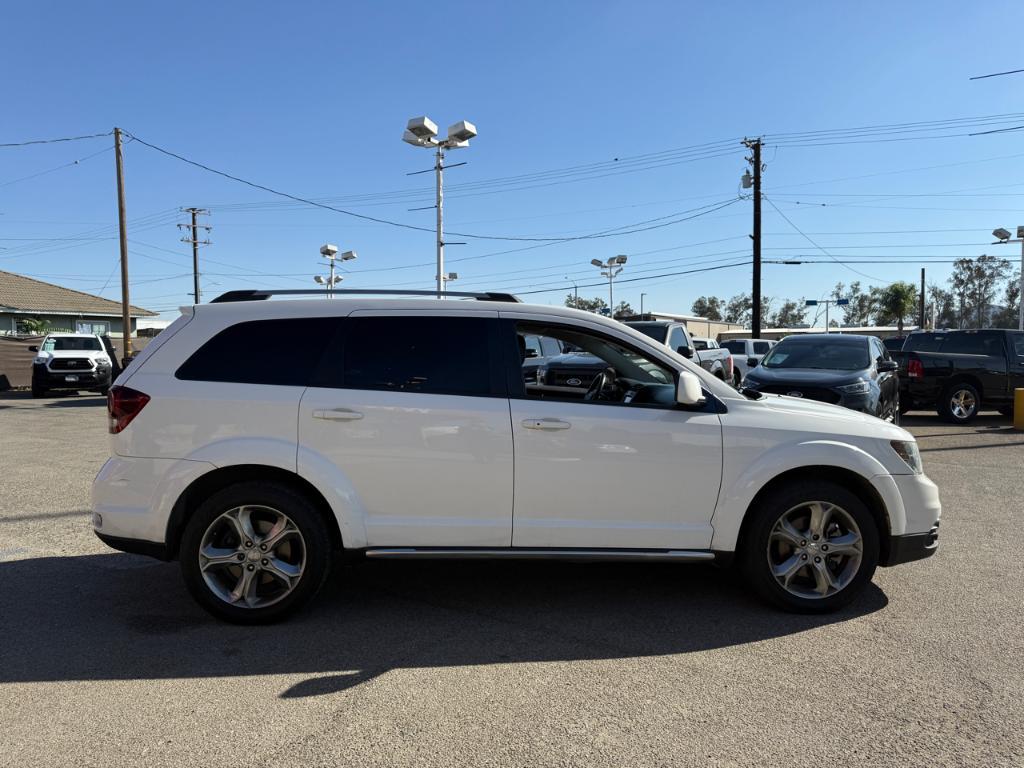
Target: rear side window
point(677, 339)
point(1018, 343)
point(429, 355)
point(279, 352)
point(761, 347)
point(923, 342)
point(736, 347)
point(972, 344)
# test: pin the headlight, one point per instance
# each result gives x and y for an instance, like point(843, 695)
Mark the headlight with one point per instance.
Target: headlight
point(907, 450)
point(860, 388)
point(103, 362)
point(40, 360)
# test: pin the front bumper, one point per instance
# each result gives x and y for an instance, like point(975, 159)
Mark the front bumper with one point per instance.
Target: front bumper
point(44, 378)
point(912, 546)
point(135, 546)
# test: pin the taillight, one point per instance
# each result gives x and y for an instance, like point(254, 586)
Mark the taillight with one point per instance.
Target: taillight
point(915, 369)
point(729, 366)
point(123, 405)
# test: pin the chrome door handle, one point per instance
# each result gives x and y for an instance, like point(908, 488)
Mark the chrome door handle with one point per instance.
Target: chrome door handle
point(546, 424)
point(337, 414)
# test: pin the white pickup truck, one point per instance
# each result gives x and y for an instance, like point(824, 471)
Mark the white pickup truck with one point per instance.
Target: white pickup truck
point(704, 351)
point(747, 353)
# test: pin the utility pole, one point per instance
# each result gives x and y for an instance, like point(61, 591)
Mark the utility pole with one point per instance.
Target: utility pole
point(438, 172)
point(575, 293)
point(755, 299)
point(642, 303)
point(126, 320)
point(196, 242)
point(920, 312)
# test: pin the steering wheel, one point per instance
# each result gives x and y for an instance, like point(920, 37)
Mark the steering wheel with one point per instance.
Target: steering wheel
point(601, 382)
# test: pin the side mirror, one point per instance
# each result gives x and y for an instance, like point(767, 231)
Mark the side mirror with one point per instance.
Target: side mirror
point(33, 348)
point(887, 366)
point(686, 352)
point(688, 391)
point(751, 362)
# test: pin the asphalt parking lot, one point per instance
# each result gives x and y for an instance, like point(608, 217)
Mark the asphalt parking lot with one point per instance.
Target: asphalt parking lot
point(105, 660)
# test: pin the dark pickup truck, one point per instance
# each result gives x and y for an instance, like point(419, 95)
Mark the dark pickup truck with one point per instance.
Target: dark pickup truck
point(960, 372)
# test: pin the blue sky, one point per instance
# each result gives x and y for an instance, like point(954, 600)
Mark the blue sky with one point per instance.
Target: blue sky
point(311, 98)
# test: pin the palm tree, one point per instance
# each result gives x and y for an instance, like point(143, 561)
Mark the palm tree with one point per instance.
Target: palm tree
point(897, 301)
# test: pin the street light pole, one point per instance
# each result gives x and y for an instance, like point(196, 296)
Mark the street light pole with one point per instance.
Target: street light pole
point(1003, 236)
point(422, 132)
point(575, 293)
point(330, 252)
point(642, 303)
point(610, 269)
point(827, 303)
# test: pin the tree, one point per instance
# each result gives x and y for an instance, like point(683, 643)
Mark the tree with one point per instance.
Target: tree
point(790, 314)
point(943, 307)
point(974, 282)
point(710, 307)
point(896, 302)
point(1010, 316)
point(861, 305)
point(623, 310)
point(597, 305)
point(739, 309)
point(33, 326)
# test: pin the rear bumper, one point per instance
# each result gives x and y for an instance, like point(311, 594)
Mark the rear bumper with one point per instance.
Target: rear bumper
point(913, 546)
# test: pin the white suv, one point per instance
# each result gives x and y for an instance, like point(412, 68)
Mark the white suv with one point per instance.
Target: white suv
point(254, 439)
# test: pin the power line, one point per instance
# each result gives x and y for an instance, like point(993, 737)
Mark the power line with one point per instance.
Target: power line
point(996, 74)
point(55, 141)
point(57, 168)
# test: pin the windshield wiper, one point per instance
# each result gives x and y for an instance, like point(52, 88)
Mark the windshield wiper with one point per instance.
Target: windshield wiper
point(750, 394)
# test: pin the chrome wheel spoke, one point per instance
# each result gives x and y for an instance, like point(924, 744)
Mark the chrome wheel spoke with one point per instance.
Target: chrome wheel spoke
point(821, 513)
point(786, 570)
point(286, 573)
point(245, 588)
point(281, 530)
point(847, 544)
point(785, 531)
point(210, 557)
point(824, 580)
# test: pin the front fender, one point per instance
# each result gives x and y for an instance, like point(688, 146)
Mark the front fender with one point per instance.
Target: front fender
point(743, 477)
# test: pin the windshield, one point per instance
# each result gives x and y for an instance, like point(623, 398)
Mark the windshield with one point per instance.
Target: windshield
point(72, 344)
point(657, 331)
point(817, 353)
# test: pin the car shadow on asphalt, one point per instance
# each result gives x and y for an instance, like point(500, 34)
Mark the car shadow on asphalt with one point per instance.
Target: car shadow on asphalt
point(123, 617)
point(16, 399)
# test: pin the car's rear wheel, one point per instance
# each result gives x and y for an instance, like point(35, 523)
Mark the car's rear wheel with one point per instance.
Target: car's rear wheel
point(811, 547)
point(254, 553)
point(960, 403)
point(38, 392)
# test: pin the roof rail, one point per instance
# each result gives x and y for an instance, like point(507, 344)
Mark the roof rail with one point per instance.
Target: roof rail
point(260, 294)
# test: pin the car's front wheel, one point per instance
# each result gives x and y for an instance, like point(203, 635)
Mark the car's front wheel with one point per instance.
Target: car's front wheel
point(255, 552)
point(811, 547)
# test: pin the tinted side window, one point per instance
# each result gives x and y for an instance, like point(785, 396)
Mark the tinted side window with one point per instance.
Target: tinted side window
point(550, 346)
point(280, 352)
point(923, 342)
point(700, 345)
point(761, 347)
point(1018, 343)
point(972, 344)
point(736, 347)
point(430, 355)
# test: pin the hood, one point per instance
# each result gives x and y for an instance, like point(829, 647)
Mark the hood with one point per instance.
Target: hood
point(576, 360)
point(827, 418)
point(807, 376)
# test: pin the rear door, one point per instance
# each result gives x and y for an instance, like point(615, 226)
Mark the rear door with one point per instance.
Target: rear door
point(983, 354)
point(410, 409)
point(1015, 349)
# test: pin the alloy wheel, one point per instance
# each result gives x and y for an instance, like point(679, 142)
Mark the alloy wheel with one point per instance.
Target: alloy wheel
point(252, 556)
point(815, 549)
point(962, 404)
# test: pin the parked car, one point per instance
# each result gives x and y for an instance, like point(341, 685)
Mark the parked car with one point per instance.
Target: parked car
point(853, 371)
point(70, 362)
point(711, 357)
point(402, 429)
point(960, 372)
point(894, 343)
point(747, 353)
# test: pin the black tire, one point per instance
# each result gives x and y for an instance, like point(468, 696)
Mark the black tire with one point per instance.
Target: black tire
point(38, 392)
point(305, 517)
point(736, 379)
point(1007, 411)
point(754, 552)
point(951, 402)
point(103, 391)
point(905, 406)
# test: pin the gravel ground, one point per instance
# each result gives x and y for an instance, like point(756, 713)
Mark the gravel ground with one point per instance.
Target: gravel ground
point(105, 660)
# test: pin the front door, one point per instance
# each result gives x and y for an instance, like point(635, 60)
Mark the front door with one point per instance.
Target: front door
point(410, 409)
point(623, 466)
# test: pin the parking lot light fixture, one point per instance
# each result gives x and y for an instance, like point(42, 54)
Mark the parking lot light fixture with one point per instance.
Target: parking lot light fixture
point(422, 132)
point(610, 269)
point(330, 252)
point(1002, 237)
